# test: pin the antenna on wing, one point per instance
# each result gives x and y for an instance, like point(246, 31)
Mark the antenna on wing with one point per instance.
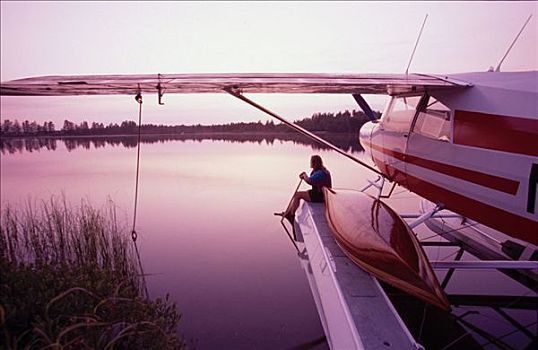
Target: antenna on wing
point(416, 44)
point(498, 69)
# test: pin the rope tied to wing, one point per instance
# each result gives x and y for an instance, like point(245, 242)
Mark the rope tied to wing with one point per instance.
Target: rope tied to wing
point(134, 234)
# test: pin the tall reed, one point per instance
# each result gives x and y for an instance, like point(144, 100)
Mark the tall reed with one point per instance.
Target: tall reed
point(69, 279)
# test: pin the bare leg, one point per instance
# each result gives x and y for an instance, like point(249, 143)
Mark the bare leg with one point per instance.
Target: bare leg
point(294, 204)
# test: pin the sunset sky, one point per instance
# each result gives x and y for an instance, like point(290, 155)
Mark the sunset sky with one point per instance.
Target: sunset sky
point(50, 38)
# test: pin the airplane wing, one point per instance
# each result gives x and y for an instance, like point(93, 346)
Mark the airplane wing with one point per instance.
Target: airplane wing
point(391, 84)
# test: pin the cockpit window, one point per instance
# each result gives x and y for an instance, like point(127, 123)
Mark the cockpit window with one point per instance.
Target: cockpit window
point(434, 121)
point(400, 112)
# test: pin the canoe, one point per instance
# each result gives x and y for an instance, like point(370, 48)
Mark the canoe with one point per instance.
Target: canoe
point(379, 241)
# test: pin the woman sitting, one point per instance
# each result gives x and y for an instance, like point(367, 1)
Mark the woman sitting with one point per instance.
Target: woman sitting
point(319, 178)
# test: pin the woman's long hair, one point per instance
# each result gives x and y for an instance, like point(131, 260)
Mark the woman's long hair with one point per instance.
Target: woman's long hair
point(316, 163)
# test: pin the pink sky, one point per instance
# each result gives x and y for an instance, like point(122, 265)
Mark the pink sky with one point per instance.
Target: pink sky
point(46, 38)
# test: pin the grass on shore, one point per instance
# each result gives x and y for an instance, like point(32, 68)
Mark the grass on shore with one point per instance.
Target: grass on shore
point(69, 279)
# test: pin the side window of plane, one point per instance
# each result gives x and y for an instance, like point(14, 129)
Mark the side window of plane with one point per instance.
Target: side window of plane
point(434, 121)
point(400, 113)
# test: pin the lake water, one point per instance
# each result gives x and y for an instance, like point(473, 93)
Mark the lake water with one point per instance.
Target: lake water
point(207, 234)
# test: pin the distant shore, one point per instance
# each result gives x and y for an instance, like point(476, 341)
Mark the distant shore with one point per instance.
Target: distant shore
point(341, 122)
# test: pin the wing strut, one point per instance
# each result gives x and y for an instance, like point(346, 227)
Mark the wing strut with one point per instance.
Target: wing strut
point(239, 95)
point(364, 106)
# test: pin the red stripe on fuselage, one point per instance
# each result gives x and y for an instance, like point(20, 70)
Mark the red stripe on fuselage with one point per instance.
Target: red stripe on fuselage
point(496, 132)
point(511, 224)
point(486, 180)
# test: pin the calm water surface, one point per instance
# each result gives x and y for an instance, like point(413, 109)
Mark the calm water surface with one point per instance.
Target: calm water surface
point(207, 233)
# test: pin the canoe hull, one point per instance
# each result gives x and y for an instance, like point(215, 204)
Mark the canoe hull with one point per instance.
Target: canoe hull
point(377, 239)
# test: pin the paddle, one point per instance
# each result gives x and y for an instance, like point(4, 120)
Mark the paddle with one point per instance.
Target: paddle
point(292, 239)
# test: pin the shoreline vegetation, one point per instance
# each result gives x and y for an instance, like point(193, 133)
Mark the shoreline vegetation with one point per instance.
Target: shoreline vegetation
point(340, 122)
point(69, 279)
point(341, 129)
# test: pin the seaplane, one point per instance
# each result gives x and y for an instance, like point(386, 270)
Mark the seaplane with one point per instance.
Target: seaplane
point(466, 143)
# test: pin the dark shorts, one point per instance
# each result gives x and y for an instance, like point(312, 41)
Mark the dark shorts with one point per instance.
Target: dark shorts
point(316, 196)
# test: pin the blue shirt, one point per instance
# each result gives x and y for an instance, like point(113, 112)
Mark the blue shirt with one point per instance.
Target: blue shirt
point(319, 179)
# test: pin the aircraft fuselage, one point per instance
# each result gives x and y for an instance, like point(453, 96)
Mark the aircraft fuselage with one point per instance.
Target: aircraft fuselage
point(475, 151)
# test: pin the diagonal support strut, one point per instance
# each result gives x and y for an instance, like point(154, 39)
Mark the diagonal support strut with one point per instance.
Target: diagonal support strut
point(364, 106)
point(236, 93)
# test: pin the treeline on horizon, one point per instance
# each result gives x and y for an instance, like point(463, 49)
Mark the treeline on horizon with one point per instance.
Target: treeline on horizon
point(340, 122)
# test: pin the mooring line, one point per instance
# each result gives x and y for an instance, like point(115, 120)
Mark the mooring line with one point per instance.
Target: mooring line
point(134, 235)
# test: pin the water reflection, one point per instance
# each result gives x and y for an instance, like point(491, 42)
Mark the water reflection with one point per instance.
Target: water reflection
point(206, 230)
point(346, 142)
point(207, 233)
